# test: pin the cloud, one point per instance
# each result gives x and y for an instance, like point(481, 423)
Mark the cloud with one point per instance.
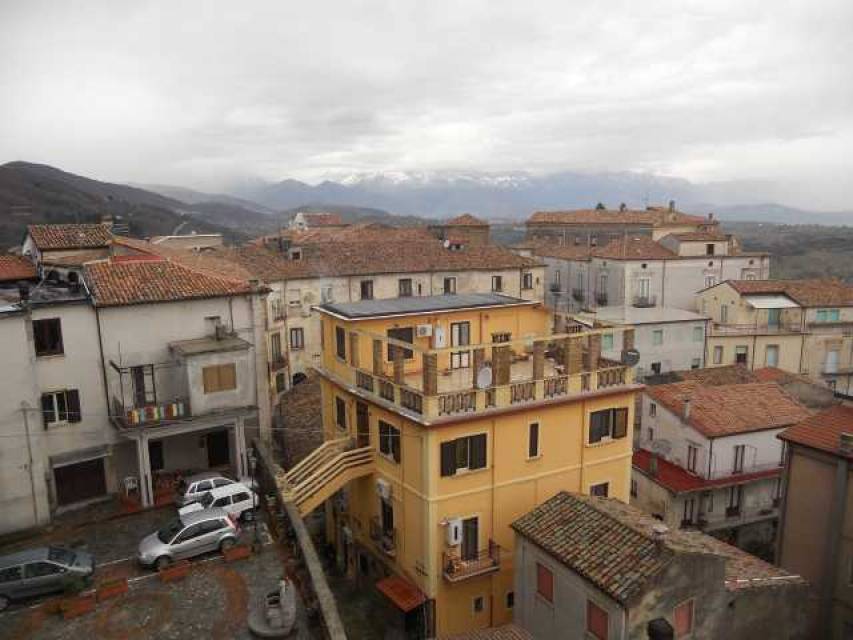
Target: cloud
point(208, 91)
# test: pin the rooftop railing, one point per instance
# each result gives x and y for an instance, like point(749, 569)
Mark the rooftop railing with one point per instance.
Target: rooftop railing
point(717, 329)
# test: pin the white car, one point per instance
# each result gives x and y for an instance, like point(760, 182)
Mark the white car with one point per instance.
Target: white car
point(236, 499)
point(192, 488)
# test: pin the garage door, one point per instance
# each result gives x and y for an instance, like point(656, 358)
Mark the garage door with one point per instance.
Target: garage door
point(81, 481)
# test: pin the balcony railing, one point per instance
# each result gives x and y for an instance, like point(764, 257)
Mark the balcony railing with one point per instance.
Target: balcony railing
point(150, 414)
point(556, 386)
point(643, 302)
point(364, 380)
point(385, 539)
point(457, 568)
point(458, 402)
point(578, 294)
point(753, 329)
point(554, 288)
point(601, 299)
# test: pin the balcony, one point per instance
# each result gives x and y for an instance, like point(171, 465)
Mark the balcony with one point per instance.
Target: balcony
point(601, 299)
point(150, 414)
point(277, 363)
point(457, 567)
point(555, 287)
point(644, 302)
point(385, 540)
point(578, 295)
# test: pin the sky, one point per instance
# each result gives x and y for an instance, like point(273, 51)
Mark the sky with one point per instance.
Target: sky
point(209, 93)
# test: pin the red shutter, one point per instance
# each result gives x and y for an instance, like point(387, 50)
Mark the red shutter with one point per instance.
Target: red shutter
point(683, 619)
point(544, 582)
point(596, 620)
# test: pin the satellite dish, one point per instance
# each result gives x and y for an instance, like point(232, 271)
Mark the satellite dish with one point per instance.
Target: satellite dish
point(630, 357)
point(484, 377)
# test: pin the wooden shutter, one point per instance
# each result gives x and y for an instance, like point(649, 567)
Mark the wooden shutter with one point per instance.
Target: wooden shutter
point(48, 414)
point(596, 620)
point(478, 451)
point(227, 377)
point(73, 400)
point(210, 376)
point(533, 440)
point(544, 582)
point(448, 458)
point(394, 434)
point(620, 423)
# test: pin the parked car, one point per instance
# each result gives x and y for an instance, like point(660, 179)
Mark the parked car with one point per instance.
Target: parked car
point(236, 499)
point(44, 570)
point(193, 487)
point(190, 535)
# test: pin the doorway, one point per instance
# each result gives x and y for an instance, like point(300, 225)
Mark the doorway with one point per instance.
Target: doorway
point(79, 482)
point(362, 425)
point(470, 538)
point(155, 454)
point(218, 449)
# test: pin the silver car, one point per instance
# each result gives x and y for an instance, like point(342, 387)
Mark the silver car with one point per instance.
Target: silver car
point(192, 488)
point(190, 535)
point(44, 570)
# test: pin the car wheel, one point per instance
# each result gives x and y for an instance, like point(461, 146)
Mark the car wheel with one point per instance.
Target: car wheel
point(162, 562)
point(226, 544)
point(4, 602)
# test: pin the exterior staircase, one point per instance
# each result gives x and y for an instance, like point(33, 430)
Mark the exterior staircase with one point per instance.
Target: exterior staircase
point(329, 467)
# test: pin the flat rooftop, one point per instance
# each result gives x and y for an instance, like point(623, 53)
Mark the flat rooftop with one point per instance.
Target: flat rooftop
point(42, 293)
point(208, 344)
point(650, 315)
point(416, 305)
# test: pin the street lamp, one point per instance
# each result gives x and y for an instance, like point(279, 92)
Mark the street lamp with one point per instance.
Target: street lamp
point(253, 463)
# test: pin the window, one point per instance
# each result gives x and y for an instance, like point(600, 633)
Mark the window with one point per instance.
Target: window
point(10, 574)
point(683, 619)
point(698, 334)
point(735, 496)
point(403, 334)
point(602, 489)
point(710, 281)
point(468, 453)
point(830, 364)
point(296, 254)
point(656, 367)
point(739, 452)
point(718, 355)
point(828, 315)
point(326, 294)
point(276, 309)
point(404, 287)
point(280, 383)
point(47, 335)
point(607, 342)
point(596, 621)
point(450, 285)
point(497, 283)
point(294, 298)
point(689, 508)
point(40, 569)
point(544, 583)
point(609, 423)
point(341, 413)
point(389, 440)
point(771, 355)
point(341, 343)
point(653, 409)
point(651, 434)
point(695, 363)
point(724, 313)
point(645, 287)
point(741, 354)
point(479, 604)
point(367, 289)
point(460, 336)
point(692, 455)
point(60, 406)
point(709, 249)
point(533, 440)
point(709, 503)
point(503, 336)
point(657, 337)
point(510, 599)
point(527, 281)
point(634, 488)
point(783, 454)
point(275, 347)
point(557, 276)
point(220, 377)
point(297, 338)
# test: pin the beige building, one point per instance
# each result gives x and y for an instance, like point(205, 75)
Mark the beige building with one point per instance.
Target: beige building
point(816, 527)
point(462, 230)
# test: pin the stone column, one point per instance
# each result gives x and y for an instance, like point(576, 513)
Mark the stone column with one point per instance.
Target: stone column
point(378, 368)
point(353, 349)
point(146, 485)
point(399, 365)
point(594, 353)
point(572, 355)
point(478, 356)
point(430, 374)
point(538, 360)
point(501, 363)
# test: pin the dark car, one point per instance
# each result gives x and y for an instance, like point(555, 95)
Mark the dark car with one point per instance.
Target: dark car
point(35, 572)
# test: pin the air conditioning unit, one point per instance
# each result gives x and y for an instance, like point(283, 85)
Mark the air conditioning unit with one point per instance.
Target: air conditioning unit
point(383, 489)
point(424, 331)
point(454, 532)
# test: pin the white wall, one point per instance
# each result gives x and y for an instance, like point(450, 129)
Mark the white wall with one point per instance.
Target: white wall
point(677, 352)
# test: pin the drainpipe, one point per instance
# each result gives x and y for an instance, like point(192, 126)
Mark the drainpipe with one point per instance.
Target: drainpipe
point(25, 407)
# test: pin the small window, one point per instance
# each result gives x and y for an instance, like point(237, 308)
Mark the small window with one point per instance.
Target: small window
point(468, 453)
point(297, 338)
point(341, 413)
point(692, 457)
point(698, 334)
point(653, 409)
point(609, 423)
point(294, 298)
point(280, 382)
point(367, 289)
point(450, 285)
point(683, 618)
point(657, 337)
point(220, 377)
point(497, 283)
point(326, 294)
point(389, 441)
point(607, 342)
point(596, 621)
point(533, 440)
point(738, 458)
point(741, 354)
point(510, 599)
point(602, 489)
point(718, 355)
point(527, 281)
point(296, 254)
point(405, 287)
point(656, 368)
point(275, 347)
point(724, 313)
point(771, 355)
point(479, 604)
point(60, 407)
point(47, 335)
point(709, 249)
point(544, 583)
point(341, 343)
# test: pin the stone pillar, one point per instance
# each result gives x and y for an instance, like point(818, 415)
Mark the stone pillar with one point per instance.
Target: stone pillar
point(478, 356)
point(399, 365)
point(538, 360)
point(378, 368)
point(353, 349)
point(430, 374)
point(594, 352)
point(146, 485)
point(501, 363)
point(627, 339)
point(572, 355)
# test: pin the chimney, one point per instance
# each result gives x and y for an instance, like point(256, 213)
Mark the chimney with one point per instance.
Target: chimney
point(653, 465)
point(845, 444)
point(686, 412)
point(671, 206)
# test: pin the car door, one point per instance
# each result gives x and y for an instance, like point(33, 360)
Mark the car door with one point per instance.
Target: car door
point(186, 541)
point(242, 502)
point(12, 581)
point(225, 503)
point(41, 577)
point(208, 539)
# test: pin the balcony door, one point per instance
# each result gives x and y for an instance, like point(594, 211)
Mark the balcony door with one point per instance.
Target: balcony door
point(470, 538)
point(142, 377)
point(362, 424)
point(460, 336)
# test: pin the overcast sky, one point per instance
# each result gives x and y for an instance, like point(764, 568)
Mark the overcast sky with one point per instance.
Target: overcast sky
point(201, 93)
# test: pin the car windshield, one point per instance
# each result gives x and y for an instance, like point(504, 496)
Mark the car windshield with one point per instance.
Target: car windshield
point(167, 533)
point(62, 556)
point(206, 500)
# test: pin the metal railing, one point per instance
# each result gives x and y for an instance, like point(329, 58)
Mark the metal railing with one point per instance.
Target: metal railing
point(601, 299)
point(457, 402)
point(643, 302)
point(150, 414)
point(364, 380)
point(578, 294)
point(457, 567)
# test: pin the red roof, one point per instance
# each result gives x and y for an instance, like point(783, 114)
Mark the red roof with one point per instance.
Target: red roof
point(466, 220)
point(16, 268)
point(679, 480)
point(323, 219)
point(401, 592)
point(634, 248)
point(69, 236)
point(823, 430)
point(655, 216)
point(807, 293)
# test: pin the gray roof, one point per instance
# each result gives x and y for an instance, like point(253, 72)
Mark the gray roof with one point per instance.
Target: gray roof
point(650, 315)
point(420, 304)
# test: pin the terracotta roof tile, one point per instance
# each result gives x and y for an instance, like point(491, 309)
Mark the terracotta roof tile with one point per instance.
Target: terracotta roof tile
point(651, 216)
point(127, 282)
point(69, 236)
point(823, 430)
point(565, 252)
point(323, 219)
point(16, 268)
point(351, 233)
point(699, 236)
point(679, 480)
point(807, 293)
point(724, 410)
point(466, 220)
point(76, 259)
point(634, 248)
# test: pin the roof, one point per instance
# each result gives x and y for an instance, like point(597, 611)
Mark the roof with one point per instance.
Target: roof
point(614, 546)
point(634, 248)
point(724, 410)
point(323, 219)
point(651, 216)
point(699, 236)
point(649, 315)
point(769, 301)
point(401, 592)
point(362, 232)
point(76, 259)
point(200, 346)
point(504, 632)
point(823, 430)
point(69, 236)
point(806, 293)
point(130, 282)
point(16, 268)
point(415, 305)
point(678, 480)
point(466, 220)
point(563, 252)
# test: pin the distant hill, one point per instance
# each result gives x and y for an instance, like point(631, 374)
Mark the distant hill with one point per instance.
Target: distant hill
point(354, 215)
point(35, 193)
point(194, 197)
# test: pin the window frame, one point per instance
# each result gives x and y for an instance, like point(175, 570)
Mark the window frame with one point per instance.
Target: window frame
point(408, 354)
point(297, 344)
point(390, 441)
point(449, 280)
point(39, 334)
point(497, 284)
point(534, 440)
point(449, 454)
point(544, 583)
point(71, 410)
point(527, 281)
point(594, 489)
point(718, 354)
point(366, 287)
point(212, 380)
point(340, 343)
point(590, 632)
point(405, 288)
point(607, 342)
point(691, 602)
point(612, 425)
point(657, 337)
point(340, 413)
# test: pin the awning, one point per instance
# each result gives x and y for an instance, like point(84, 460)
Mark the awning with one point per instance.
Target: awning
point(770, 302)
point(401, 592)
point(78, 456)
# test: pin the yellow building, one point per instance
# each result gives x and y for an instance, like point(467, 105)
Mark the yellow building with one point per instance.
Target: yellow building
point(446, 418)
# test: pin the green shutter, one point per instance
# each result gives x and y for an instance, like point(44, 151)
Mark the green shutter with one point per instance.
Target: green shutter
point(478, 451)
point(73, 398)
point(448, 458)
point(620, 423)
